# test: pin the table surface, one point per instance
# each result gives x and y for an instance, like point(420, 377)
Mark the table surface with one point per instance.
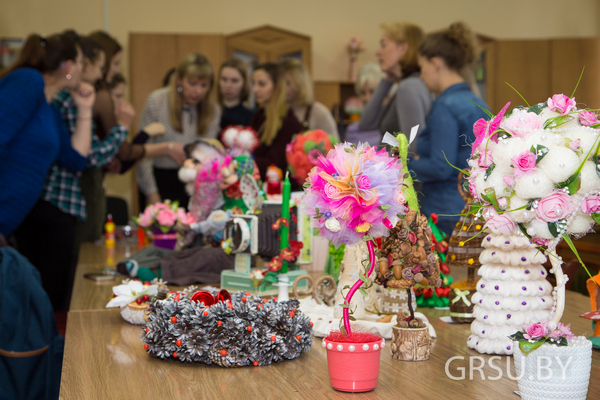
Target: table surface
point(105, 359)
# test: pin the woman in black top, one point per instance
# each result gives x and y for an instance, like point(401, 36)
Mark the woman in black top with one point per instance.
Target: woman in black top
point(233, 91)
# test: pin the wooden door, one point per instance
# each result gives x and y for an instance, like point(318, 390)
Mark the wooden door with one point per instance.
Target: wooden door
point(525, 65)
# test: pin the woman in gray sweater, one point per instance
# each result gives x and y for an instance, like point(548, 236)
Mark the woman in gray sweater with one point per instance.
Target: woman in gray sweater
point(401, 100)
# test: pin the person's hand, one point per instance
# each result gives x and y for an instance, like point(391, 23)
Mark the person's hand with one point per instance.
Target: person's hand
point(176, 152)
point(124, 113)
point(153, 198)
point(114, 165)
point(154, 129)
point(84, 97)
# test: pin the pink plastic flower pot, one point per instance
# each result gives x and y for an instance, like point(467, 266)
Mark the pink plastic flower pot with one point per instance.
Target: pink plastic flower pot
point(353, 367)
point(166, 241)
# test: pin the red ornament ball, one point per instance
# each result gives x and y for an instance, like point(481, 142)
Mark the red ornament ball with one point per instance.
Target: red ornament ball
point(173, 319)
point(146, 346)
point(205, 313)
point(255, 363)
point(259, 306)
point(219, 323)
point(174, 355)
point(292, 314)
point(249, 329)
point(230, 306)
point(298, 337)
point(273, 338)
point(147, 330)
point(145, 297)
point(243, 300)
point(264, 300)
point(138, 300)
point(178, 342)
point(223, 353)
point(312, 325)
point(247, 293)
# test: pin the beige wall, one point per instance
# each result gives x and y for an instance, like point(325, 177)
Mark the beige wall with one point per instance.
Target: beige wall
point(330, 23)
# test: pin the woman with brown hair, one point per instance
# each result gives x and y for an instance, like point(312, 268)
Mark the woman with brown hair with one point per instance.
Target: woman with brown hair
point(233, 92)
point(445, 142)
point(410, 103)
point(299, 93)
point(186, 111)
point(33, 135)
point(275, 120)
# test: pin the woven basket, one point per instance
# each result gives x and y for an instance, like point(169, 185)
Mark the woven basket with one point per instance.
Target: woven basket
point(544, 378)
point(465, 242)
point(459, 310)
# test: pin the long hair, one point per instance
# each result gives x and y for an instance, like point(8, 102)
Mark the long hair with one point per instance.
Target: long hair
point(110, 47)
point(277, 106)
point(243, 70)
point(300, 80)
point(45, 54)
point(89, 48)
point(412, 35)
point(194, 65)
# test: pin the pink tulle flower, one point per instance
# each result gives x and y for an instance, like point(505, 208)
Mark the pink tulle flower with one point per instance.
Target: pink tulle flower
point(588, 118)
point(523, 163)
point(561, 103)
point(352, 184)
point(566, 331)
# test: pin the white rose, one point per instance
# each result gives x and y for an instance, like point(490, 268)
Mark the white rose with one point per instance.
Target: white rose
point(333, 225)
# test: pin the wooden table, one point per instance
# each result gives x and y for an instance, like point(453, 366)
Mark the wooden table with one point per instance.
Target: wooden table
point(105, 359)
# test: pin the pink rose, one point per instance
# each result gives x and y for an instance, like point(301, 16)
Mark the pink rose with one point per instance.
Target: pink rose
point(363, 182)
point(588, 118)
point(183, 217)
point(473, 189)
point(553, 207)
point(510, 182)
point(485, 160)
point(502, 202)
point(523, 163)
point(536, 331)
point(331, 191)
point(501, 222)
point(166, 217)
point(566, 330)
point(591, 204)
point(561, 103)
point(540, 241)
point(145, 220)
point(574, 145)
point(520, 123)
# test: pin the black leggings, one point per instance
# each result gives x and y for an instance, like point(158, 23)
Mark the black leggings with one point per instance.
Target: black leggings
point(46, 238)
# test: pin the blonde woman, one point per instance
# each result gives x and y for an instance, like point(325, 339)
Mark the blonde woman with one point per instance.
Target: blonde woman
point(275, 120)
point(299, 93)
point(186, 111)
point(410, 104)
point(367, 81)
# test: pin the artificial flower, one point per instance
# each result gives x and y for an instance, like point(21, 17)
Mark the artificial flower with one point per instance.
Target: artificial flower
point(536, 331)
point(561, 103)
point(130, 292)
point(553, 207)
point(591, 204)
point(521, 122)
point(523, 163)
point(588, 118)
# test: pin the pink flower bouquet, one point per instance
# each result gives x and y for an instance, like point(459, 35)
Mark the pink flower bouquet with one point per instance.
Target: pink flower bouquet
point(304, 150)
point(354, 192)
point(536, 334)
point(164, 216)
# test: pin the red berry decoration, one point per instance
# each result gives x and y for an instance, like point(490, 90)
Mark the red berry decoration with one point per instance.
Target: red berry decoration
point(223, 353)
point(312, 325)
point(146, 283)
point(255, 363)
point(173, 319)
point(205, 313)
point(259, 306)
point(147, 330)
point(292, 314)
point(243, 299)
point(249, 329)
point(178, 342)
point(298, 337)
point(177, 297)
point(230, 306)
point(247, 293)
point(146, 346)
point(219, 323)
point(264, 300)
point(145, 297)
point(175, 355)
point(274, 298)
point(138, 300)
point(273, 338)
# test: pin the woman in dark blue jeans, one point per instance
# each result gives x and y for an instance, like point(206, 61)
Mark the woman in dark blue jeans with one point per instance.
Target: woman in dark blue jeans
point(443, 56)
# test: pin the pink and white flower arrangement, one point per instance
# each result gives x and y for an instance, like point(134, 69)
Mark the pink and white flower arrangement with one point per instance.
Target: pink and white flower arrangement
point(164, 216)
point(353, 193)
point(535, 334)
point(537, 168)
